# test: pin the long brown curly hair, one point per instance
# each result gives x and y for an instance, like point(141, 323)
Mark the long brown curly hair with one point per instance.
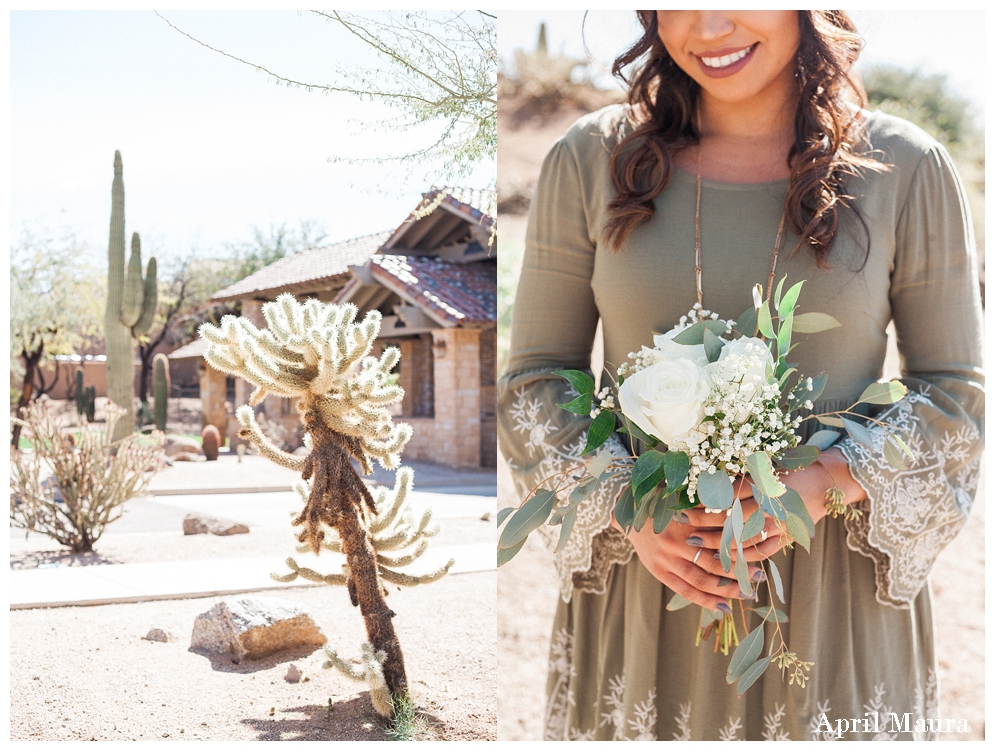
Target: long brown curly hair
point(827, 147)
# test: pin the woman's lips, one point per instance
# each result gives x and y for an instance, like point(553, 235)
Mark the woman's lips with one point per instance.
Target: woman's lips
point(725, 70)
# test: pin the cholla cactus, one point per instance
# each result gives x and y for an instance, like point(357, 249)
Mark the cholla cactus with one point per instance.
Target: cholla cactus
point(316, 354)
point(371, 671)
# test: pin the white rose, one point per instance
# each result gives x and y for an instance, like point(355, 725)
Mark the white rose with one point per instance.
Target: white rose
point(730, 368)
point(667, 398)
point(667, 349)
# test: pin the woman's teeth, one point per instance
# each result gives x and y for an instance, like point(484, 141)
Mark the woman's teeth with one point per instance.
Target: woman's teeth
point(725, 60)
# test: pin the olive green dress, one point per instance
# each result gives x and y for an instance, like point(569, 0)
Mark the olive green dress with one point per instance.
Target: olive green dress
point(622, 666)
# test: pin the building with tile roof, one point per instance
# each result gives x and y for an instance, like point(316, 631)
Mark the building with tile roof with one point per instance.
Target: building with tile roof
point(434, 280)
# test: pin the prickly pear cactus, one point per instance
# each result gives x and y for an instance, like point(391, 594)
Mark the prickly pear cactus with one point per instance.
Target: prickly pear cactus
point(160, 389)
point(131, 302)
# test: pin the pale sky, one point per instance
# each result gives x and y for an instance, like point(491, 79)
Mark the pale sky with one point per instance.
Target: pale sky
point(950, 42)
point(210, 147)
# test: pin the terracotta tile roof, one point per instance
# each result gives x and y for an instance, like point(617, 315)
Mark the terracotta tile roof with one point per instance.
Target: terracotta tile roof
point(476, 203)
point(464, 294)
point(306, 266)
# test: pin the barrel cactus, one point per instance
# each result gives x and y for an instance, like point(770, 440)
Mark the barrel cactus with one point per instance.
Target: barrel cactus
point(160, 389)
point(210, 440)
point(131, 302)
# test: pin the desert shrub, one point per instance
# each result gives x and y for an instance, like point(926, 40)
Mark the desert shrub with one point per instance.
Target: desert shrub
point(91, 477)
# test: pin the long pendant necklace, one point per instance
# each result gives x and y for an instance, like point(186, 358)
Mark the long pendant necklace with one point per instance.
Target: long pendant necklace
point(697, 238)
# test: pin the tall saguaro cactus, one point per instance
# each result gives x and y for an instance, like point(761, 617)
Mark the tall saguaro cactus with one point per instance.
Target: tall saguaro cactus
point(131, 301)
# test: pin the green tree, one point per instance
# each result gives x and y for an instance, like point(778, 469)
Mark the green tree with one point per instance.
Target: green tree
point(56, 306)
point(437, 68)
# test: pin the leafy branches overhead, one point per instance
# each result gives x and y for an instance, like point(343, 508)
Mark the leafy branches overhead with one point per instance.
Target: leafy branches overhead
point(438, 68)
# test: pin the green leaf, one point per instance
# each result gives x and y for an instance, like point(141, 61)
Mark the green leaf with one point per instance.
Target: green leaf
point(583, 383)
point(506, 554)
point(775, 577)
point(784, 376)
point(818, 386)
point(794, 504)
point(784, 336)
point(713, 346)
point(677, 602)
point(893, 452)
point(579, 406)
point(859, 433)
point(787, 304)
point(742, 572)
point(625, 509)
point(762, 474)
point(725, 545)
point(770, 506)
point(599, 464)
point(836, 422)
point(584, 490)
point(752, 674)
point(709, 616)
point(646, 467)
point(503, 514)
point(753, 525)
point(746, 324)
point(797, 530)
point(676, 465)
point(764, 322)
point(646, 508)
point(813, 323)
point(770, 614)
point(634, 430)
point(884, 393)
point(530, 516)
point(798, 457)
point(696, 334)
point(746, 653)
point(823, 439)
point(715, 490)
point(567, 528)
point(663, 514)
point(777, 291)
point(737, 521)
point(602, 427)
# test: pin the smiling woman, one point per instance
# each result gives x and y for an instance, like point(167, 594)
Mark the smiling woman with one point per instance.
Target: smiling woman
point(744, 147)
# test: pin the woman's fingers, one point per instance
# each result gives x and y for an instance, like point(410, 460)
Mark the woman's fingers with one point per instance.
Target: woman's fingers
point(709, 561)
point(699, 517)
point(698, 586)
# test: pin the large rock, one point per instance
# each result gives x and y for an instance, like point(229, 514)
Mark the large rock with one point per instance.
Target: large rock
point(254, 627)
point(179, 445)
point(199, 524)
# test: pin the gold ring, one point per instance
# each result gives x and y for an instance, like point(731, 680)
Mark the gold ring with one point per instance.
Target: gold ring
point(695, 559)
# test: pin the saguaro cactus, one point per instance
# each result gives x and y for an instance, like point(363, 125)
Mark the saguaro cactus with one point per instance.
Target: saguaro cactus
point(160, 389)
point(316, 354)
point(86, 397)
point(131, 301)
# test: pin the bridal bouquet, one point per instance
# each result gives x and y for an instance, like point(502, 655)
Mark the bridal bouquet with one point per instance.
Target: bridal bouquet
point(713, 401)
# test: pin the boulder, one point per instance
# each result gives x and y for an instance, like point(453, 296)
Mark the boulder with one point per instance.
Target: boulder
point(180, 444)
point(199, 524)
point(254, 627)
point(293, 675)
point(158, 634)
point(186, 456)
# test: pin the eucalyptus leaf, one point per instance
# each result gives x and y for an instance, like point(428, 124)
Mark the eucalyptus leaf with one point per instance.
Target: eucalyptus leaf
point(579, 406)
point(754, 525)
point(567, 528)
point(823, 439)
point(770, 506)
point(818, 386)
point(713, 346)
point(506, 554)
point(599, 464)
point(797, 457)
point(745, 655)
point(625, 509)
point(787, 304)
point(600, 430)
point(715, 490)
point(770, 614)
point(794, 504)
point(903, 446)
point(813, 323)
point(742, 572)
point(530, 516)
point(752, 674)
point(746, 324)
point(583, 383)
point(725, 545)
point(736, 517)
point(894, 454)
point(836, 422)
point(584, 490)
point(709, 616)
point(859, 433)
point(504, 513)
point(762, 474)
point(775, 577)
point(797, 530)
point(764, 322)
point(884, 393)
point(696, 334)
point(676, 465)
point(677, 602)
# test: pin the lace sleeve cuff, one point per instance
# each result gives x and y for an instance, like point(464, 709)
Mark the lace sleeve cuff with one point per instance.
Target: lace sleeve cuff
point(911, 515)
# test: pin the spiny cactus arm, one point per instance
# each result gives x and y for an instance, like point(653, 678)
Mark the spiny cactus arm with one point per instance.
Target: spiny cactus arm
point(248, 422)
point(403, 481)
point(150, 297)
point(131, 305)
point(402, 560)
point(308, 573)
point(406, 580)
point(356, 672)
